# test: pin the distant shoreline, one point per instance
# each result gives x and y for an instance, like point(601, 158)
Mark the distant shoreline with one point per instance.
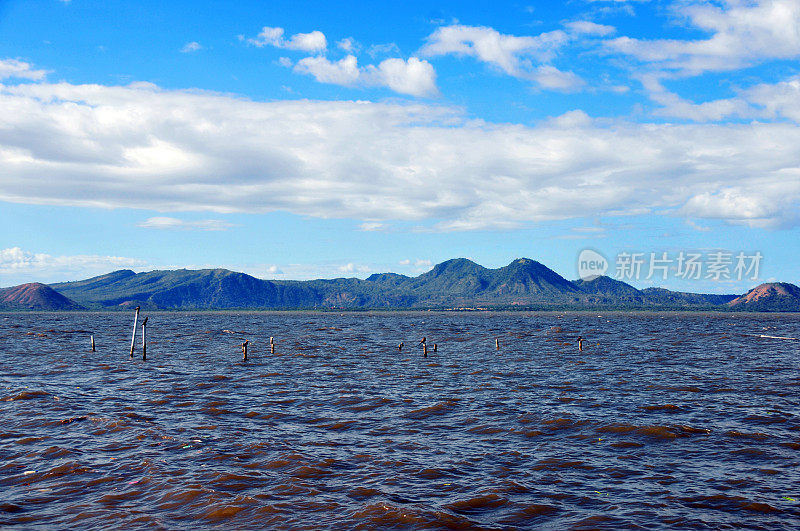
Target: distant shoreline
point(701, 312)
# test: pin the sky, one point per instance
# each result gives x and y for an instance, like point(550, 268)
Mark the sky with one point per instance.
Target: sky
point(299, 140)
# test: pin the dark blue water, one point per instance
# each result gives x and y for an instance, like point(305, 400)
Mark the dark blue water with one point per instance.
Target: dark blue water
point(667, 420)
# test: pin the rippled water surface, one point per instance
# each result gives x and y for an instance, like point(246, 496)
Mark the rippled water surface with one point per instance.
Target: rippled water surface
point(662, 421)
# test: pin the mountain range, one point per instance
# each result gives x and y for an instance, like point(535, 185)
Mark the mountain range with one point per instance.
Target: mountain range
point(454, 284)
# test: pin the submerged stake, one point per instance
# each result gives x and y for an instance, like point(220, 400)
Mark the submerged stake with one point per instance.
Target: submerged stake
point(133, 337)
point(244, 349)
point(144, 339)
point(92, 343)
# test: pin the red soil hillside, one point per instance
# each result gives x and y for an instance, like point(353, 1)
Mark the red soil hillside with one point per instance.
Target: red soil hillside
point(34, 296)
point(770, 297)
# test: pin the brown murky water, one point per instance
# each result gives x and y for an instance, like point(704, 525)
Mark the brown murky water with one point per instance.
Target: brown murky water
point(662, 421)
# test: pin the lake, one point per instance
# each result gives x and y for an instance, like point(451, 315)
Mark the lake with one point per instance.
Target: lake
point(664, 420)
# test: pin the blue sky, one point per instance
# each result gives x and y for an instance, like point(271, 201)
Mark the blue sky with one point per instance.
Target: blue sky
point(317, 139)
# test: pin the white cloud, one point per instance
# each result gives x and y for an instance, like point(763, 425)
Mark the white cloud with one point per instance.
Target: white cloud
point(190, 47)
point(774, 204)
point(342, 72)
point(372, 226)
point(506, 52)
point(550, 77)
point(18, 265)
point(742, 33)
point(348, 45)
point(417, 266)
point(12, 68)
point(764, 101)
point(414, 77)
point(140, 146)
point(779, 100)
point(354, 268)
point(167, 223)
point(306, 42)
point(674, 106)
point(513, 55)
point(585, 27)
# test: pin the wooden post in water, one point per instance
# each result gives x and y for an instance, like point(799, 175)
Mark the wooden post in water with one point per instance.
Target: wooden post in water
point(272, 345)
point(133, 337)
point(424, 350)
point(435, 348)
point(92, 343)
point(244, 349)
point(144, 339)
point(497, 343)
point(580, 343)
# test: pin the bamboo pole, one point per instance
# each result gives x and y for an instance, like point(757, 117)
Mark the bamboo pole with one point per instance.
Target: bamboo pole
point(133, 337)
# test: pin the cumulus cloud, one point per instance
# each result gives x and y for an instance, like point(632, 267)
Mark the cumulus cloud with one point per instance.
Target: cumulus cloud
point(521, 57)
point(140, 146)
point(18, 265)
point(342, 72)
point(167, 223)
point(306, 42)
point(741, 34)
point(12, 68)
point(414, 77)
